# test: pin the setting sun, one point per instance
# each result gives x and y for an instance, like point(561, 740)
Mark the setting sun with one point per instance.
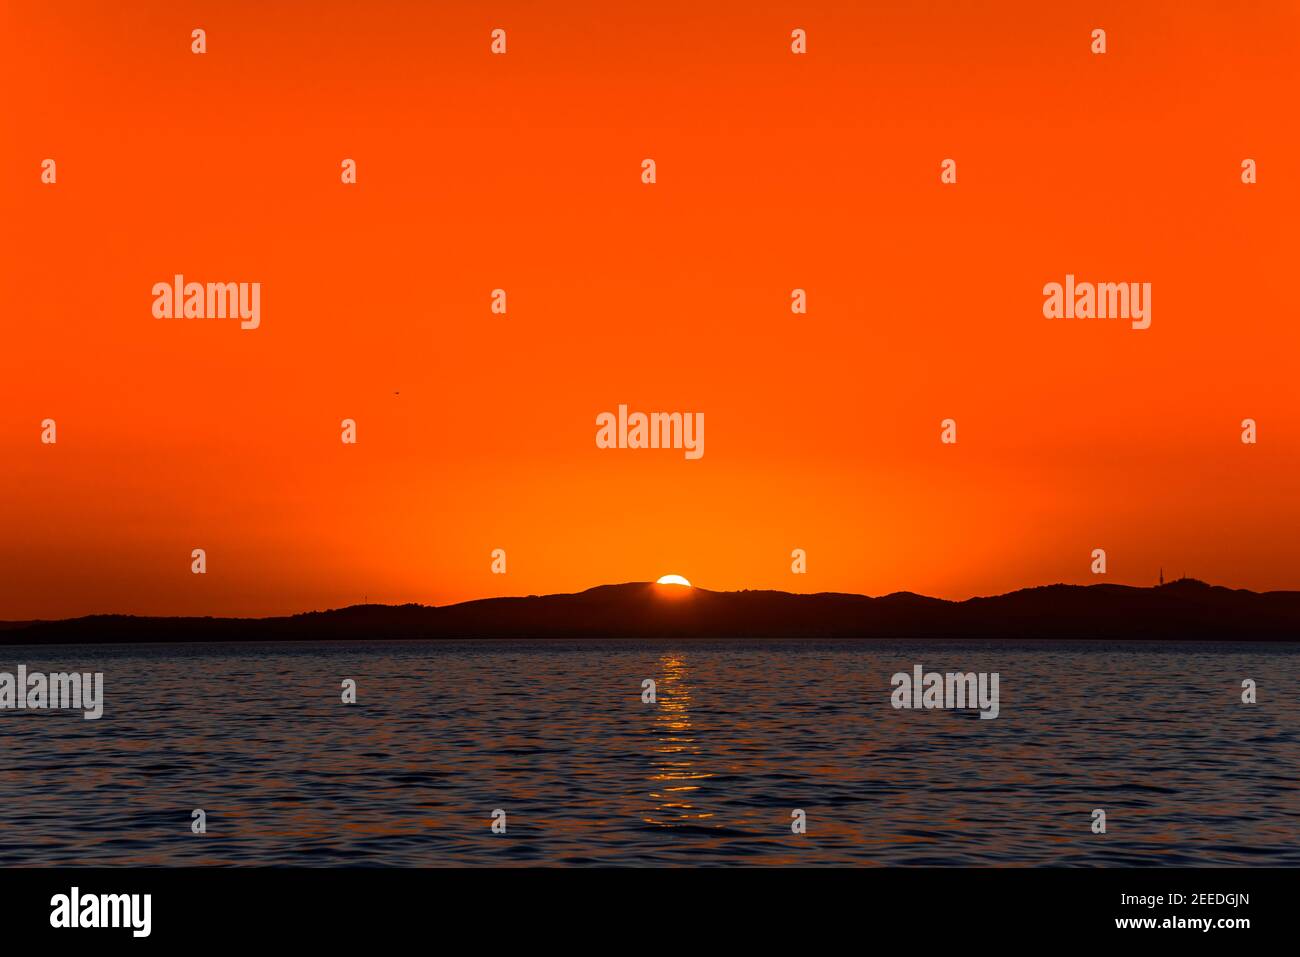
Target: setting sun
point(673, 580)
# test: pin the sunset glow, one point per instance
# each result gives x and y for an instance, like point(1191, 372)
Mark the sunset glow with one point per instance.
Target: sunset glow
point(477, 430)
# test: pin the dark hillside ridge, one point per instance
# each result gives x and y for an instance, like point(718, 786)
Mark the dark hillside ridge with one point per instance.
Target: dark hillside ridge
point(1181, 610)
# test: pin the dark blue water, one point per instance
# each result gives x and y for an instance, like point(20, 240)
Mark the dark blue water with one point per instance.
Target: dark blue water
point(556, 735)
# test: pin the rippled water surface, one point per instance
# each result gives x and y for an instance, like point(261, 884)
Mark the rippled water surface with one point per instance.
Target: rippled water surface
point(556, 735)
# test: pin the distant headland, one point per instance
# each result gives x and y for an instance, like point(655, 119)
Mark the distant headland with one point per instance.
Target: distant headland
point(1186, 609)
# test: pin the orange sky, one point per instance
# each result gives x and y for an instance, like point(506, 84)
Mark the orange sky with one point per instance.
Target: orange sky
point(523, 172)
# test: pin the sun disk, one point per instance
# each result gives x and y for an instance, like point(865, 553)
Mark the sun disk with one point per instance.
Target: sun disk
point(673, 580)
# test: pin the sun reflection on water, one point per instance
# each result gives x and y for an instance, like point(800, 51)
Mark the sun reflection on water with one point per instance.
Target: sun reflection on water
point(675, 768)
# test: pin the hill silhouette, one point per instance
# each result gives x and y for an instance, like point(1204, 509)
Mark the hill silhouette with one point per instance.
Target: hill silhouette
point(1185, 609)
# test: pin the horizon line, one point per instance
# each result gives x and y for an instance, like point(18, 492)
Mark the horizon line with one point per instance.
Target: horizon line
point(685, 591)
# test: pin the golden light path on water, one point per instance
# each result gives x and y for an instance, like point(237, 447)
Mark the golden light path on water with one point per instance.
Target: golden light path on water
point(676, 747)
